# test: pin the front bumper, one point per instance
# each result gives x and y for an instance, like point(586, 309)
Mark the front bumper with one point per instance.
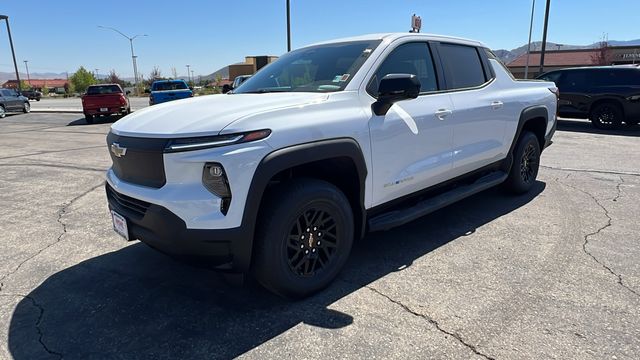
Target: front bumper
point(163, 230)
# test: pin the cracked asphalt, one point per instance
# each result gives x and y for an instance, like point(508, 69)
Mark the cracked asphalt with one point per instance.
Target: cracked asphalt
point(552, 274)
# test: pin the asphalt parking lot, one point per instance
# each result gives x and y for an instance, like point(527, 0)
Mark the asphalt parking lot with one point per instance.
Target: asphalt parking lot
point(553, 274)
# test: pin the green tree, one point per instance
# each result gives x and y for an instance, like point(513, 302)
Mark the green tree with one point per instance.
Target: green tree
point(81, 79)
point(45, 89)
point(24, 85)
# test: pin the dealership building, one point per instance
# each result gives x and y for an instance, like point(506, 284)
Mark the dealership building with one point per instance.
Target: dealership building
point(559, 59)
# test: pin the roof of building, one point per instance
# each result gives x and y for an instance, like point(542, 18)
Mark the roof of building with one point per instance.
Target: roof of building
point(558, 58)
point(40, 82)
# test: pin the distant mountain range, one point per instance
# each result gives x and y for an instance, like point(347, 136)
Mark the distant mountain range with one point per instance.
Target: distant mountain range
point(505, 55)
point(509, 55)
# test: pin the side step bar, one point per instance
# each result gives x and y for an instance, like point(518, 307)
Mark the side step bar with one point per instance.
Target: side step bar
point(395, 218)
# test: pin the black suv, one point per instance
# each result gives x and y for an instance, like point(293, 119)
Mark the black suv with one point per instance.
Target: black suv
point(32, 94)
point(607, 95)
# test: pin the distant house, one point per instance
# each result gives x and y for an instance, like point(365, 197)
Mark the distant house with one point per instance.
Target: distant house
point(560, 59)
point(250, 65)
point(53, 85)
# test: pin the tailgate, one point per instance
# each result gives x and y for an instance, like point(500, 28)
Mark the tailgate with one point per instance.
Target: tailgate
point(162, 96)
point(103, 100)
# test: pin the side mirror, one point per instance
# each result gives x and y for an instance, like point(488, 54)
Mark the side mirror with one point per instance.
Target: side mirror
point(226, 88)
point(394, 88)
point(127, 92)
point(191, 88)
point(147, 91)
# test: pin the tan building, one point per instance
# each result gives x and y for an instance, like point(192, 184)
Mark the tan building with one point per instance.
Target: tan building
point(250, 65)
point(560, 59)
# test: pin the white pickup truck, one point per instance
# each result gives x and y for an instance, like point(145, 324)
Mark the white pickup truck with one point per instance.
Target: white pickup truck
point(281, 175)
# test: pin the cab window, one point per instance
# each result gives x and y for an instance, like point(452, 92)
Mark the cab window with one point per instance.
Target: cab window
point(411, 58)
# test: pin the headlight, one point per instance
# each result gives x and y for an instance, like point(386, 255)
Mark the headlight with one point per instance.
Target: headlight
point(215, 180)
point(205, 142)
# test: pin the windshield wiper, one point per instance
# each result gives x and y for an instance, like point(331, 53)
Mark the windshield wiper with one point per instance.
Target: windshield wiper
point(265, 90)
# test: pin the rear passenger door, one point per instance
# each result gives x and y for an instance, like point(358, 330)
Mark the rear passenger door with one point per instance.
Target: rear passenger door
point(479, 109)
point(575, 87)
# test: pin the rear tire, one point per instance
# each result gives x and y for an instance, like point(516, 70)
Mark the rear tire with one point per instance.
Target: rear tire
point(526, 162)
point(303, 238)
point(88, 118)
point(607, 116)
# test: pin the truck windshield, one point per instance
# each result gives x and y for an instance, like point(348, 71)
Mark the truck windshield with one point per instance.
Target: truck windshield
point(103, 89)
point(322, 68)
point(169, 85)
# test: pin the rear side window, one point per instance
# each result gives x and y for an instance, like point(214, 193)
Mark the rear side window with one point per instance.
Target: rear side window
point(629, 77)
point(411, 58)
point(169, 85)
point(575, 81)
point(103, 89)
point(552, 76)
point(462, 64)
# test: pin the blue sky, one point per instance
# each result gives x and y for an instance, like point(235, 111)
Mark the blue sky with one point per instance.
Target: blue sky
point(58, 36)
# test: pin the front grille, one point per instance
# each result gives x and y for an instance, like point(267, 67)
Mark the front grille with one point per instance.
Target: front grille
point(135, 206)
point(142, 163)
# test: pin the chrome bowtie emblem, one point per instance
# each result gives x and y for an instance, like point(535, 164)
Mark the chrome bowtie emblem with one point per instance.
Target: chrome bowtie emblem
point(117, 150)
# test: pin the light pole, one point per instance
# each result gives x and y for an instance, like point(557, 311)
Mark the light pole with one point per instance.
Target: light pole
point(96, 73)
point(193, 77)
point(544, 36)
point(288, 26)
point(133, 56)
point(189, 73)
point(526, 67)
point(26, 65)
point(15, 64)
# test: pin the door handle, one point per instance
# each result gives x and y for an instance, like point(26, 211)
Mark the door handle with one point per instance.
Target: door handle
point(443, 113)
point(497, 105)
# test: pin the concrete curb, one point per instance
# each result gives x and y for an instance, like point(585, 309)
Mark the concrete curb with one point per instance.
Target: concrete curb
point(78, 111)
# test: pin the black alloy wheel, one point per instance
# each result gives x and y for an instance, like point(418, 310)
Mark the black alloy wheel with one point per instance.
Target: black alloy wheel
point(303, 237)
point(312, 242)
point(526, 162)
point(606, 116)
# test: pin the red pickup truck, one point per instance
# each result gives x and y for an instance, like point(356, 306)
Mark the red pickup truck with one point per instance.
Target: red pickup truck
point(104, 99)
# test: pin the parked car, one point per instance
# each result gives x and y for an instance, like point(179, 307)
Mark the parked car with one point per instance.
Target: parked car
point(607, 95)
point(32, 94)
point(12, 101)
point(169, 90)
point(104, 100)
point(328, 142)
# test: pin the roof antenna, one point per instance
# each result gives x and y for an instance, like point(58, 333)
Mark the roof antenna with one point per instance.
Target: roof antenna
point(416, 24)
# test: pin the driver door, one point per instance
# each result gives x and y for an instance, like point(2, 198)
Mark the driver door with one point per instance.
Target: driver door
point(412, 144)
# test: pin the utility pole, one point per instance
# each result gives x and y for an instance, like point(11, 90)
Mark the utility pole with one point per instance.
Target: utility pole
point(526, 67)
point(189, 73)
point(133, 56)
point(26, 65)
point(13, 53)
point(288, 26)
point(544, 36)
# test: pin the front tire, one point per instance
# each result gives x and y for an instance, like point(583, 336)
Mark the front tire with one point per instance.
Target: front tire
point(526, 162)
point(26, 108)
point(607, 116)
point(3, 112)
point(304, 237)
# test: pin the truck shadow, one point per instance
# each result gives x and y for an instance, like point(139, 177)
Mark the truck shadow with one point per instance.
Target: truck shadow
point(136, 303)
point(96, 120)
point(585, 126)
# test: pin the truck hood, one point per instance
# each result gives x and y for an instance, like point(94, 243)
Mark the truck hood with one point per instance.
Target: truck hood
point(205, 115)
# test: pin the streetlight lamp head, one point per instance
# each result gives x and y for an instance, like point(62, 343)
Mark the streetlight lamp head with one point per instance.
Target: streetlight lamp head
point(4, 17)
